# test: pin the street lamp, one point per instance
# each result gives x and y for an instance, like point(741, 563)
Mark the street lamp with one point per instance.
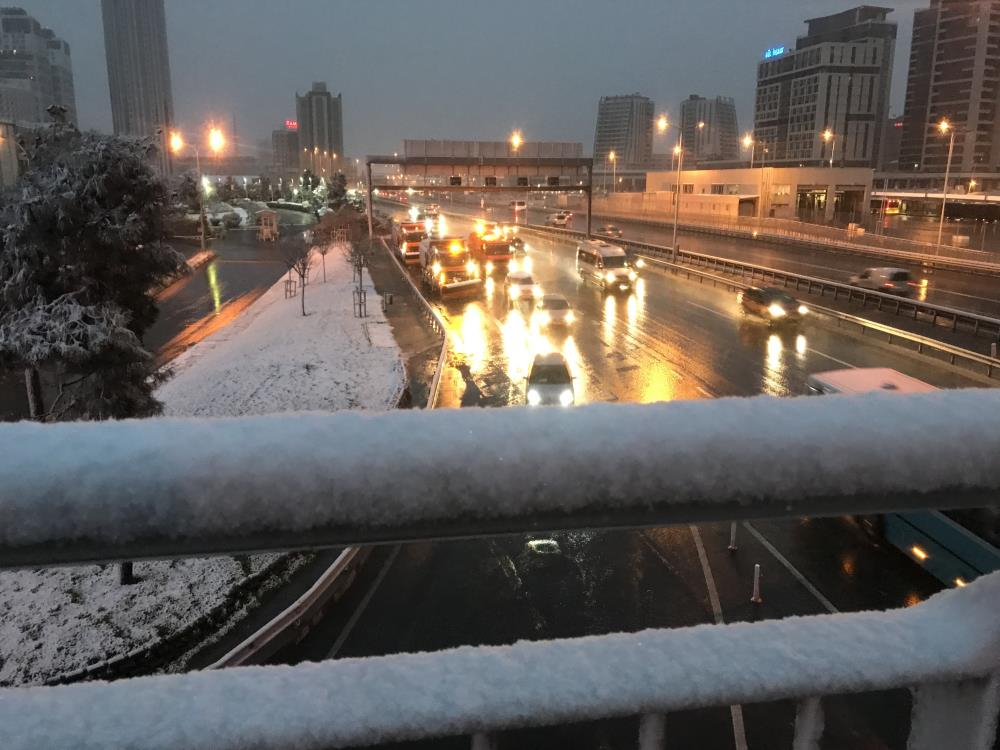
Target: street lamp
point(748, 143)
point(177, 145)
point(828, 136)
point(945, 127)
point(516, 140)
point(679, 153)
point(662, 124)
point(614, 170)
point(216, 140)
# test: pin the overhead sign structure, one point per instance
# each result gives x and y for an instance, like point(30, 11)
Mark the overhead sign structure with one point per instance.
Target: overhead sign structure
point(773, 52)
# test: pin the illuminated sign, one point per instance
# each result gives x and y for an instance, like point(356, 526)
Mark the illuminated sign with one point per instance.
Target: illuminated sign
point(773, 52)
point(291, 125)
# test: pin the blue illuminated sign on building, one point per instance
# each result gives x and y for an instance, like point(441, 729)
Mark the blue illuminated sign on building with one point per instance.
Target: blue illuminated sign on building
point(773, 52)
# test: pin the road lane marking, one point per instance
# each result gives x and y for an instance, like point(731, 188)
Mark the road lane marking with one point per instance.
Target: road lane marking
point(362, 605)
point(791, 569)
point(736, 711)
point(831, 357)
point(709, 309)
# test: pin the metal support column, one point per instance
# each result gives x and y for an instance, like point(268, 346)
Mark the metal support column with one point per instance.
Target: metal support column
point(590, 204)
point(371, 207)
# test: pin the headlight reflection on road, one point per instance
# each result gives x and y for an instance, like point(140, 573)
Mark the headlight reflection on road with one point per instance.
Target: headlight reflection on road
point(801, 345)
point(632, 313)
point(490, 288)
point(772, 381)
point(610, 302)
point(469, 339)
point(922, 289)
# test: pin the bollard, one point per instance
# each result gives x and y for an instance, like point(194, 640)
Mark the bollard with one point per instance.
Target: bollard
point(755, 597)
point(732, 537)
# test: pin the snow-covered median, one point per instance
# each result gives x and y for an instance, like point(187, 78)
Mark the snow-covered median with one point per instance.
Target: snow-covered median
point(271, 359)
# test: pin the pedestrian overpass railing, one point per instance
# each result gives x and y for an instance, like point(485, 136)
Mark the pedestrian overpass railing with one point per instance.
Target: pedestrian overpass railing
point(82, 492)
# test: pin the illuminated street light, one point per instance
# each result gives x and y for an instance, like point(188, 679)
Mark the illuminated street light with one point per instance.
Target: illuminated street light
point(662, 124)
point(516, 140)
point(216, 140)
point(614, 170)
point(828, 136)
point(945, 127)
point(176, 142)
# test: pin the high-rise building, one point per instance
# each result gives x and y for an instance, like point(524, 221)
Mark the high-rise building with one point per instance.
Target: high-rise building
point(954, 72)
point(709, 128)
point(321, 127)
point(35, 70)
point(625, 126)
point(135, 44)
point(889, 153)
point(836, 79)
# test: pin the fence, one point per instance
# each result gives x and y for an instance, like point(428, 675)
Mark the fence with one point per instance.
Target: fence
point(185, 486)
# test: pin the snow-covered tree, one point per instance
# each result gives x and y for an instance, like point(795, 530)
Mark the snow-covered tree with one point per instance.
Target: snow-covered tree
point(80, 255)
point(297, 257)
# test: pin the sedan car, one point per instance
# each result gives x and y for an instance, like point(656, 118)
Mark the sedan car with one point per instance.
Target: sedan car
point(554, 310)
point(562, 219)
point(549, 381)
point(772, 304)
point(609, 230)
point(521, 286)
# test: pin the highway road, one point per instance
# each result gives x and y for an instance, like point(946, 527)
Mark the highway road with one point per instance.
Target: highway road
point(672, 339)
point(975, 293)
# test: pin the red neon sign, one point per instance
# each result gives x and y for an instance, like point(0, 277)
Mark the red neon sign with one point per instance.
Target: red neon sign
point(291, 125)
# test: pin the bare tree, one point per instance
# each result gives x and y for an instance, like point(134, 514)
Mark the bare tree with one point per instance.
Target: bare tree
point(323, 248)
point(297, 257)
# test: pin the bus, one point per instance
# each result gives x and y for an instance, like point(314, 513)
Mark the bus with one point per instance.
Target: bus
point(955, 546)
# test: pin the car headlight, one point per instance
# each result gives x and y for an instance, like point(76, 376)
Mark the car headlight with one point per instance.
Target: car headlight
point(570, 317)
point(536, 291)
point(632, 275)
point(776, 310)
point(436, 268)
point(803, 309)
point(470, 267)
point(534, 397)
point(566, 397)
point(514, 266)
point(544, 318)
point(528, 265)
point(640, 263)
point(442, 277)
point(489, 266)
point(609, 277)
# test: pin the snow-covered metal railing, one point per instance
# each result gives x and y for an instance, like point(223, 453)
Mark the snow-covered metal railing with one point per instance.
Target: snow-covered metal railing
point(80, 492)
point(165, 487)
point(946, 649)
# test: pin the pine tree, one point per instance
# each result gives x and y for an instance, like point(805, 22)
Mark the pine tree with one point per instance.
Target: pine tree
point(80, 254)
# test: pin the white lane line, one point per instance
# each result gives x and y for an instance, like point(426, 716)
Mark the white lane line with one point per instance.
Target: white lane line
point(709, 309)
point(831, 357)
point(346, 632)
point(791, 569)
point(705, 392)
point(735, 712)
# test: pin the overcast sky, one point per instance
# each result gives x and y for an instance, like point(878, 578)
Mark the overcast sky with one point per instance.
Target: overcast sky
point(465, 69)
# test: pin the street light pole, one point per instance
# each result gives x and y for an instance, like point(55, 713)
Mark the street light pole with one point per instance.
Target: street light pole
point(945, 127)
point(679, 150)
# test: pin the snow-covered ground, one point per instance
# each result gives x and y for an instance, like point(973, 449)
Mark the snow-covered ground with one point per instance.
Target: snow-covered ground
point(270, 360)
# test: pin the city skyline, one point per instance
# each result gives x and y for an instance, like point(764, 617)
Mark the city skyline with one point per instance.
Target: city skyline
point(554, 100)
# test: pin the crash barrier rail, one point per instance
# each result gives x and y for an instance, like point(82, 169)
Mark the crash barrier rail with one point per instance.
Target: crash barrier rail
point(433, 317)
point(946, 650)
point(935, 314)
point(978, 363)
point(956, 260)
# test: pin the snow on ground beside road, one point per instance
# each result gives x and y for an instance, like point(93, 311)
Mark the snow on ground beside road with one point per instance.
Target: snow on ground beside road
point(283, 362)
point(271, 359)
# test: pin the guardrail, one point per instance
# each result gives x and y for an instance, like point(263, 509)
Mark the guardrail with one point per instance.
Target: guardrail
point(847, 459)
point(969, 264)
point(958, 319)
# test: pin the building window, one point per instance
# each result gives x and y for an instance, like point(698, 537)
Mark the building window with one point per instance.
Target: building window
point(718, 189)
point(687, 188)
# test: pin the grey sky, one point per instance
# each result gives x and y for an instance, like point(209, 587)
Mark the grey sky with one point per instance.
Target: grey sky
point(468, 69)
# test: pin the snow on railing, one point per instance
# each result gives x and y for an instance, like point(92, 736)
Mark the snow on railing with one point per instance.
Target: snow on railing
point(78, 492)
point(947, 648)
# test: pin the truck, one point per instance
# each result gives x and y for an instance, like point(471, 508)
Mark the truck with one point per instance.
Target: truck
point(490, 245)
point(407, 236)
point(447, 267)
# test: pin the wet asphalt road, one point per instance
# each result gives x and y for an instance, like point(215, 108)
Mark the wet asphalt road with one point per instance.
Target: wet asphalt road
point(672, 339)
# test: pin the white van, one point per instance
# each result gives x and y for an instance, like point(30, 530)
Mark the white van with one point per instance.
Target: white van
point(886, 280)
point(606, 264)
point(865, 380)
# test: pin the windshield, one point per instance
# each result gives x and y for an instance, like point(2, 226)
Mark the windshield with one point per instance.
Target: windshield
point(414, 236)
point(554, 304)
point(900, 276)
point(779, 297)
point(615, 261)
point(549, 375)
point(522, 280)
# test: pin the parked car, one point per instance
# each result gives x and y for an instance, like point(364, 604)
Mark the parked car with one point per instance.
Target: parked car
point(549, 381)
point(887, 280)
point(609, 230)
point(772, 304)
